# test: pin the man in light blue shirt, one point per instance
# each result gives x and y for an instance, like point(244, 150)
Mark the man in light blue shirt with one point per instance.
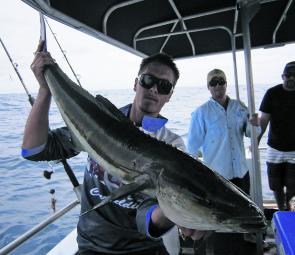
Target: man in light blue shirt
point(218, 127)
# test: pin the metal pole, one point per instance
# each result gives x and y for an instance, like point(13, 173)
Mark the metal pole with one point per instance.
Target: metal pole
point(43, 36)
point(255, 174)
point(27, 235)
point(235, 66)
point(256, 185)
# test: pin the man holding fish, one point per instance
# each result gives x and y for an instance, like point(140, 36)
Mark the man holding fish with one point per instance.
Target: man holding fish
point(133, 224)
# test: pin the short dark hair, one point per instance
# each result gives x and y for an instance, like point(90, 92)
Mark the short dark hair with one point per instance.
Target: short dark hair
point(161, 58)
point(290, 67)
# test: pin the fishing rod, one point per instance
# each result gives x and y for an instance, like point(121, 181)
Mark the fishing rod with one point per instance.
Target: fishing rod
point(31, 99)
point(63, 52)
point(66, 166)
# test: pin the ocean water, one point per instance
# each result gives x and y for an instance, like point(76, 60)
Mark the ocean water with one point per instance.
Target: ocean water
point(25, 198)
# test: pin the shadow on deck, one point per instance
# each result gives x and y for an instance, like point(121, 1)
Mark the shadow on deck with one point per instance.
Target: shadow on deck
point(231, 243)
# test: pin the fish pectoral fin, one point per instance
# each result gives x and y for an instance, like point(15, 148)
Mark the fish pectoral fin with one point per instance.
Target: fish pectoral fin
point(140, 183)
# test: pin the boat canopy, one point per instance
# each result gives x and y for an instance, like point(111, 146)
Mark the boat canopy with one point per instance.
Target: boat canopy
point(180, 28)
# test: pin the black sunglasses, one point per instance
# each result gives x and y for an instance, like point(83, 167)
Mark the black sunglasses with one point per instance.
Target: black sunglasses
point(215, 81)
point(289, 75)
point(147, 81)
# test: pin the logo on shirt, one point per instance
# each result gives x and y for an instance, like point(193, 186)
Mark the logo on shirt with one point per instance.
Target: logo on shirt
point(129, 202)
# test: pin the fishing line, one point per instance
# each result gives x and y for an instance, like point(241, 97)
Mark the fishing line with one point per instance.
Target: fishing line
point(53, 200)
point(62, 51)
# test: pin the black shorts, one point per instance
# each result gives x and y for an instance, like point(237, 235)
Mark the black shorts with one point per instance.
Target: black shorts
point(281, 175)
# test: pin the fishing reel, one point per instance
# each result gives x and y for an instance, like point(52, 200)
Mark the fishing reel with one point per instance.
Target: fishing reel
point(47, 173)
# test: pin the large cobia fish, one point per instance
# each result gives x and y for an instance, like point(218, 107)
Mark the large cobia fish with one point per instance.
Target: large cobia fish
point(190, 194)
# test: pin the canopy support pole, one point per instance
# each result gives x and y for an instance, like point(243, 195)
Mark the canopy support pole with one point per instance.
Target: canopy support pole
point(233, 43)
point(248, 9)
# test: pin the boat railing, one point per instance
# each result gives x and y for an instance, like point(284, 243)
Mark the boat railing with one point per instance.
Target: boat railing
point(27, 235)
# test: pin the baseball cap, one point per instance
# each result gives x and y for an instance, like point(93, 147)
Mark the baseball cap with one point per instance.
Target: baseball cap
point(214, 73)
point(289, 68)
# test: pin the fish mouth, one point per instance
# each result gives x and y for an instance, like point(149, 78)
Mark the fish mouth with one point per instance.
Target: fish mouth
point(244, 227)
point(253, 224)
point(254, 227)
point(247, 223)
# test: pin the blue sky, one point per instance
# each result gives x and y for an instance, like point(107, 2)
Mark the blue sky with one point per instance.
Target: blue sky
point(102, 66)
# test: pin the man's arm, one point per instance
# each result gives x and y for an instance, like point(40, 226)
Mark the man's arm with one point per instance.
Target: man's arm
point(151, 221)
point(36, 129)
point(196, 134)
point(253, 120)
point(160, 223)
point(264, 120)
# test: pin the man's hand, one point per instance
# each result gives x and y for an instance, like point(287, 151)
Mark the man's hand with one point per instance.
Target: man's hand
point(40, 61)
point(161, 224)
point(193, 233)
point(255, 120)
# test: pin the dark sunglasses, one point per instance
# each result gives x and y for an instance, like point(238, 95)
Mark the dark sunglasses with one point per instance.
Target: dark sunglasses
point(215, 81)
point(147, 81)
point(289, 75)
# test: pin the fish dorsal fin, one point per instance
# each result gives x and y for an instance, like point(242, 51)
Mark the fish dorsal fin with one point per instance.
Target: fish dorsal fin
point(110, 108)
point(141, 183)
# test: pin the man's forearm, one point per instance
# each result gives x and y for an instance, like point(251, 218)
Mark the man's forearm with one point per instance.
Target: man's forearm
point(160, 223)
point(264, 120)
point(263, 126)
point(36, 129)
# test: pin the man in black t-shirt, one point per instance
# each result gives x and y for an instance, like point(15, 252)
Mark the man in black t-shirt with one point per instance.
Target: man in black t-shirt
point(277, 108)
